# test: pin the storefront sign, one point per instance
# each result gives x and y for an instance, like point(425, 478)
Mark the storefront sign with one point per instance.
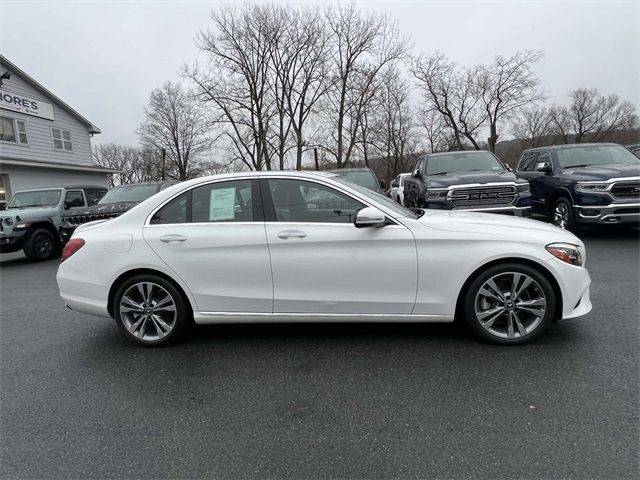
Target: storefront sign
point(26, 105)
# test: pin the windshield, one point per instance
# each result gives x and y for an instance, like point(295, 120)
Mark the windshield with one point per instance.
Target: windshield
point(463, 162)
point(129, 193)
point(360, 177)
point(36, 198)
point(595, 155)
point(381, 199)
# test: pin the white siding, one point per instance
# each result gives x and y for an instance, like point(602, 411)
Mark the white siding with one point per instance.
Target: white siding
point(40, 145)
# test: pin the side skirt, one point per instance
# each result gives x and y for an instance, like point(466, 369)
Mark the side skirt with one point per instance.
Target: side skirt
point(203, 318)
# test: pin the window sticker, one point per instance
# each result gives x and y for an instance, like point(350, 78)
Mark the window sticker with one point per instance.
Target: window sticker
point(221, 204)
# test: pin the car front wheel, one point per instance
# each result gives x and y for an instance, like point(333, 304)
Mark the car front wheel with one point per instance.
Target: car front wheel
point(563, 214)
point(150, 311)
point(509, 304)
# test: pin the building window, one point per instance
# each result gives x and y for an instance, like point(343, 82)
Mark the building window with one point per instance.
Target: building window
point(61, 139)
point(12, 130)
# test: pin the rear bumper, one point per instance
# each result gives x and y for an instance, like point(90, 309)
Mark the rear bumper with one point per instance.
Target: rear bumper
point(612, 214)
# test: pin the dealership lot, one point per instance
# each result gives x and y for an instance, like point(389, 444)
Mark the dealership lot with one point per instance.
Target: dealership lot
point(321, 400)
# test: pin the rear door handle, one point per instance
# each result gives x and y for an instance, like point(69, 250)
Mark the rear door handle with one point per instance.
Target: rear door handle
point(173, 238)
point(286, 234)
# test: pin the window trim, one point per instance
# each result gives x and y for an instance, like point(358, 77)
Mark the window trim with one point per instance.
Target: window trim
point(366, 202)
point(16, 131)
point(70, 141)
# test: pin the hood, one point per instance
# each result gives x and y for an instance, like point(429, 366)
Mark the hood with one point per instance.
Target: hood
point(601, 172)
point(31, 212)
point(494, 224)
point(107, 208)
point(463, 178)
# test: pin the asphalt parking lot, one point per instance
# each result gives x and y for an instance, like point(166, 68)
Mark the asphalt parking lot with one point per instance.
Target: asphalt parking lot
point(303, 401)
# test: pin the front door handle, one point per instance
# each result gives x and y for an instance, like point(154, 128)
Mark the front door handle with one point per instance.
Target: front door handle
point(287, 234)
point(173, 238)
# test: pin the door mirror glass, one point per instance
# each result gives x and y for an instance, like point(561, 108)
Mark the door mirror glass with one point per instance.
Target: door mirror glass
point(543, 167)
point(370, 217)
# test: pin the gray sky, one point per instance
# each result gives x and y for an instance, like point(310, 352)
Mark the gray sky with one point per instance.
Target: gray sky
point(104, 58)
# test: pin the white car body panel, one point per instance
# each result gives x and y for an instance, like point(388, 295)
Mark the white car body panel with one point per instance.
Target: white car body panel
point(412, 271)
point(337, 268)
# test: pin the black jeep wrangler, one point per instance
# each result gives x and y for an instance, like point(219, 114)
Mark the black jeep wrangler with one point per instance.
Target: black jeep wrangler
point(469, 180)
point(577, 184)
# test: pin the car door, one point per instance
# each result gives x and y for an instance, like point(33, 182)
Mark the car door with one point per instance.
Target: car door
point(213, 238)
point(527, 169)
point(323, 264)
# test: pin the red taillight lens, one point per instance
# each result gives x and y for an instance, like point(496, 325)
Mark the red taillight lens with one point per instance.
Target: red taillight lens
point(72, 247)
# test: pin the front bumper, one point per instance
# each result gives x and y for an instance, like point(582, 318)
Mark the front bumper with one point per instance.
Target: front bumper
point(66, 232)
point(614, 213)
point(574, 283)
point(11, 243)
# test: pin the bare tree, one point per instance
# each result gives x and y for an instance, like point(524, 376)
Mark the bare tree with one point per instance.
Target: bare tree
point(394, 128)
point(298, 64)
point(506, 86)
point(591, 117)
point(533, 125)
point(437, 136)
point(175, 122)
point(236, 80)
point(452, 92)
point(362, 45)
point(133, 164)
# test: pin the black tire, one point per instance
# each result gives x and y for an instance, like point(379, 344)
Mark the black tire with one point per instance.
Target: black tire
point(126, 320)
point(40, 244)
point(562, 207)
point(496, 333)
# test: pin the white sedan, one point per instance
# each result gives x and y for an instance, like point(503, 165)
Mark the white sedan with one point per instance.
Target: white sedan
point(308, 247)
point(397, 188)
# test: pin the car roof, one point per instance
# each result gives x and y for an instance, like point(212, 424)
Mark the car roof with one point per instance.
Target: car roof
point(571, 145)
point(66, 187)
point(166, 182)
point(354, 169)
point(457, 152)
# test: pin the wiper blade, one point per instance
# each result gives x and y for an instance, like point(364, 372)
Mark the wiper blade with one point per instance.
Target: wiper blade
point(578, 166)
point(439, 173)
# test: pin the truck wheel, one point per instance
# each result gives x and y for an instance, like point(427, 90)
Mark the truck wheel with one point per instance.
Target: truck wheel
point(562, 215)
point(41, 245)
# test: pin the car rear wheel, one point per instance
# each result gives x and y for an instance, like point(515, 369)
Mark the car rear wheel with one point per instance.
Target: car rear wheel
point(150, 311)
point(41, 245)
point(562, 215)
point(509, 304)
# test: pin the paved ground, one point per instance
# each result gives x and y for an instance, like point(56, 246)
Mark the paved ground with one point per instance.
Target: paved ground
point(322, 400)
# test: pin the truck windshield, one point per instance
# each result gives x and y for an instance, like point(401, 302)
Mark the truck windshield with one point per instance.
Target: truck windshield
point(463, 162)
point(35, 198)
point(595, 155)
point(129, 193)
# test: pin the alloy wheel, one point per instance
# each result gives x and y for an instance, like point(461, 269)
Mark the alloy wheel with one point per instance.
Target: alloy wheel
point(561, 215)
point(148, 311)
point(510, 305)
point(44, 245)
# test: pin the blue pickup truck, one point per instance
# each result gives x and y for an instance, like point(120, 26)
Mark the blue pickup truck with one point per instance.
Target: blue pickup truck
point(583, 183)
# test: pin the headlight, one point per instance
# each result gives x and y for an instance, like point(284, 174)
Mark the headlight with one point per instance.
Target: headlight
point(8, 221)
point(437, 195)
point(567, 252)
point(524, 188)
point(592, 187)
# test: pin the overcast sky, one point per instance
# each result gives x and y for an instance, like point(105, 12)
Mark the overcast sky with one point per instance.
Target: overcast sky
point(104, 58)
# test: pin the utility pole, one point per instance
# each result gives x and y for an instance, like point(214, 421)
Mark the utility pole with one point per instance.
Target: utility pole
point(163, 156)
point(315, 157)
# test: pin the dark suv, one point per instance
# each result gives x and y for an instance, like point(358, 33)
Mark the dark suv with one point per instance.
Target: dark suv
point(597, 183)
point(117, 201)
point(471, 180)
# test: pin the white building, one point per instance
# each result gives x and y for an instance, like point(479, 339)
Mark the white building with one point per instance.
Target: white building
point(43, 141)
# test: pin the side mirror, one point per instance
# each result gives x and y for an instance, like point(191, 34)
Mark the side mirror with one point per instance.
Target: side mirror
point(509, 169)
point(369, 217)
point(382, 184)
point(417, 174)
point(394, 183)
point(543, 167)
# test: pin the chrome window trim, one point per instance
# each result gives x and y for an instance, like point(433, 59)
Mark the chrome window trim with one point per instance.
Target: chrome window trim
point(341, 189)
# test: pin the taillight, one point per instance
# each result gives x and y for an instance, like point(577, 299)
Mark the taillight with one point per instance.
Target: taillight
point(72, 247)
